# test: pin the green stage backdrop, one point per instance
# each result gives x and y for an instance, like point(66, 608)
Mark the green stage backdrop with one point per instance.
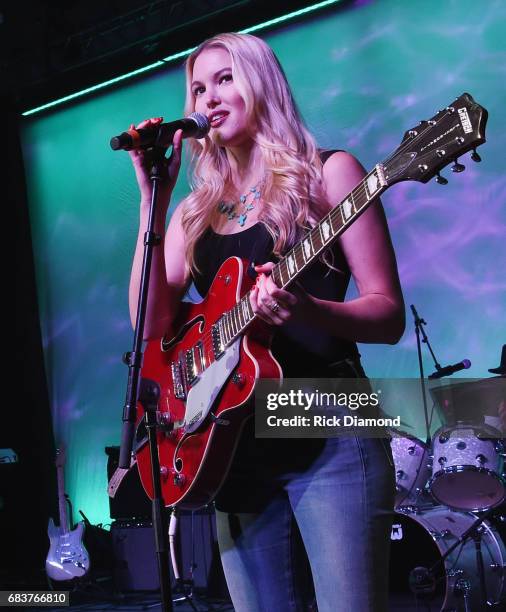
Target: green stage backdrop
point(362, 74)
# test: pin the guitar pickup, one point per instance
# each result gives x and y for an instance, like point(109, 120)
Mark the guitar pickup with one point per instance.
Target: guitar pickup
point(194, 363)
point(217, 342)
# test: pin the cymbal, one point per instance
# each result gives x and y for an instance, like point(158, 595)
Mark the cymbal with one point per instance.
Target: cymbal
point(470, 400)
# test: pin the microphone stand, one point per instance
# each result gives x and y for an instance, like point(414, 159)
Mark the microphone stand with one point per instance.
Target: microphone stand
point(472, 532)
point(420, 331)
point(147, 392)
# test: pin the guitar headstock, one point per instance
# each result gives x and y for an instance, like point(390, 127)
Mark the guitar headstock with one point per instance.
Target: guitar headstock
point(61, 456)
point(433, 144)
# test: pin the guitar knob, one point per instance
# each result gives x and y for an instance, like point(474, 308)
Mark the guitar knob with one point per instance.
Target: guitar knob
point(441, 180)
point(164, 419)
point(475, 157)
point(458, 167)
point(238, 379)
point(179, 479)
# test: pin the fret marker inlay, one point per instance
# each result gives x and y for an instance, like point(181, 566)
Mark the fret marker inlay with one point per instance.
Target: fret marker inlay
point(372, 184)
point(347, 209)
point(307, 248)
point(291, 265)
point(326, 230)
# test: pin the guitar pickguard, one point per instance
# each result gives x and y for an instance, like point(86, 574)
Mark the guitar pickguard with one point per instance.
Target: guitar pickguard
point(203, 394)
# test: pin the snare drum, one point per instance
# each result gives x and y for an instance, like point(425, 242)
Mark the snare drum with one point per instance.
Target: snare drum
point(467, 468)
point(412, 470)
point(419, 540)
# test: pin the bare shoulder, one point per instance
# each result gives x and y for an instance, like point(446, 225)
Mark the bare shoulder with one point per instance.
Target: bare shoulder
point(342, 161)
point(341, 173)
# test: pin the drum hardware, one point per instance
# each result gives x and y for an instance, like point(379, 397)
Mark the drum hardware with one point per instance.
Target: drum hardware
point(463, 589)
point(476, 535)
point(475, 532)
point(448, 573)
point(422, 583)
point(445, 533)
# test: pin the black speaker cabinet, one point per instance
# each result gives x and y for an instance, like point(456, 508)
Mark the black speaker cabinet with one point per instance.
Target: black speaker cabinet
point(135, 567)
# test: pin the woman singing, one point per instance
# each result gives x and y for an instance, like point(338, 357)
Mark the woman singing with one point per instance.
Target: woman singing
point(258, 183)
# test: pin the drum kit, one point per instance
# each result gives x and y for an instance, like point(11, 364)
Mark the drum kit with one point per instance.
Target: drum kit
point(449, 504)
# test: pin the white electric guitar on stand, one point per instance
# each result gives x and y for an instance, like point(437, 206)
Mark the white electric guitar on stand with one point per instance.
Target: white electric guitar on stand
point(67, 557)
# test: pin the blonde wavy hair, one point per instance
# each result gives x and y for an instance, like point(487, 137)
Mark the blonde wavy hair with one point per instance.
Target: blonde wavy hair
point(292, 191)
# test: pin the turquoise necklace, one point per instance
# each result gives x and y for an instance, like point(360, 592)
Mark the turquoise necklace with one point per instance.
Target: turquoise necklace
point(248, 201)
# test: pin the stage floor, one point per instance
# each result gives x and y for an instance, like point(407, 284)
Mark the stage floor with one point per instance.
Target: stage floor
point(143, 602)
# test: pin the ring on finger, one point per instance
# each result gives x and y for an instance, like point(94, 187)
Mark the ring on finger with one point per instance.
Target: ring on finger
point(274, 306)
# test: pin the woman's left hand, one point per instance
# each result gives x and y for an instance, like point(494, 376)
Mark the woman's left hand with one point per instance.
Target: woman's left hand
point(276, 306)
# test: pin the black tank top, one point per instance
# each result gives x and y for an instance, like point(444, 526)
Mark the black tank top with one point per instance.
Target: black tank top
point(302, 350)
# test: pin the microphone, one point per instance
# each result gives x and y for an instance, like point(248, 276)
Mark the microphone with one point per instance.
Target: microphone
point(195, 125)
point(451, 369)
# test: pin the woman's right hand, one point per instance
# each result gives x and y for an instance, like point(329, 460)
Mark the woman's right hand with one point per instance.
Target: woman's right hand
point(141, 160)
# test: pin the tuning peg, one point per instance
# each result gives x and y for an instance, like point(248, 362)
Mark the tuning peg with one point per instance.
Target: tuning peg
point(458, 167)
point(440, 180)
point(475, 157)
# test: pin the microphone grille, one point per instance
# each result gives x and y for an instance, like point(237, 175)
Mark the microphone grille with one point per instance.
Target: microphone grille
point(203, 125)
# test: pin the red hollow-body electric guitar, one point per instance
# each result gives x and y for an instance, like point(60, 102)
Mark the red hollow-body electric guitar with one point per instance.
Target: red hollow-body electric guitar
point(207, 371)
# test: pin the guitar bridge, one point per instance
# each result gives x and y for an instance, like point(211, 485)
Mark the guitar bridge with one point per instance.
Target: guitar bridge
point(177, 379)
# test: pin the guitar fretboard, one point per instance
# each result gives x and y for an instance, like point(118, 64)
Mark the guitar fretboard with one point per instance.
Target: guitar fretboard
point(62, 502)
point(304, 253)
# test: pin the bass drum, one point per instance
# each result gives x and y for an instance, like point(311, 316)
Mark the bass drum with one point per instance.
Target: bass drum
point(419, 541)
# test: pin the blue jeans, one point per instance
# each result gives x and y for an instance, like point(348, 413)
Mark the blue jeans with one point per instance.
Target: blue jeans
point(331, 500)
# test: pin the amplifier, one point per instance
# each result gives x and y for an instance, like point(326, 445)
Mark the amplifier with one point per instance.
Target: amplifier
point(135, 563)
